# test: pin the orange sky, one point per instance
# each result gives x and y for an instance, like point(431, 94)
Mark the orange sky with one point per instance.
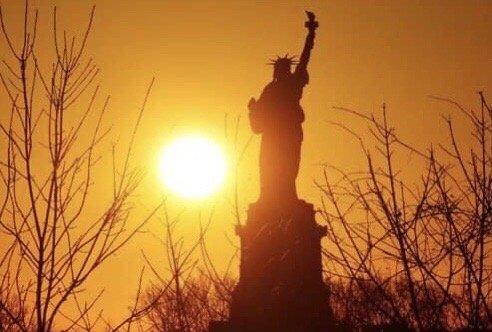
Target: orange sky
point(208, 58)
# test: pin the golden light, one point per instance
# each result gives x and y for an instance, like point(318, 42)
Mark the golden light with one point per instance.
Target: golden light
point(192, 167)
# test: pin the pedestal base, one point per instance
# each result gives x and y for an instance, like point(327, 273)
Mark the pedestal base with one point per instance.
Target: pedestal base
point(280, 286)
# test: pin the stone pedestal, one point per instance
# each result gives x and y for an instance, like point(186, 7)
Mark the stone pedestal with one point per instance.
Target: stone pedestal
point(280, 286)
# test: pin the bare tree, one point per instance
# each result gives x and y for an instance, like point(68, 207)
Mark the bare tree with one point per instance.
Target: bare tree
point(464, 204)
point(189, 295)
point(416, 255)
point(53, 244)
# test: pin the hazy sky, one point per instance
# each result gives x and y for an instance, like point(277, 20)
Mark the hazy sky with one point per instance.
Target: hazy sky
point(208, 58)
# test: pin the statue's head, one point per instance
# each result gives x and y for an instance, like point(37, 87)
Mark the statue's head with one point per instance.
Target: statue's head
point(282, 66)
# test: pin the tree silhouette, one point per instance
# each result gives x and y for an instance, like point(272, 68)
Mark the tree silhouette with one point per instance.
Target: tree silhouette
point(52, 244)
point(417, 256)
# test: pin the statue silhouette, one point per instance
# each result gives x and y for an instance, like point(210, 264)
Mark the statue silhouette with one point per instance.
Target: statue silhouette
point(280, 284)
point(277, 115)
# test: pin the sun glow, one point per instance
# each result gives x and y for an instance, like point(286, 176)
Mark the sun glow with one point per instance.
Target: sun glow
point(192, 167)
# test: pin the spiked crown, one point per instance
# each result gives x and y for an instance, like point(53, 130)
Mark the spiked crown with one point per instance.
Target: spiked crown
point(285, 61)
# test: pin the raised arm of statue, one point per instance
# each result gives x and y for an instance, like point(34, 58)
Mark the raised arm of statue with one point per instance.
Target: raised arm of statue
point(311, 25)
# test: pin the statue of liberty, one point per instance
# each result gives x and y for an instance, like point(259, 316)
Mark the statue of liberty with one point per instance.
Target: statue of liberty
point(280, 284)
point(277, 115)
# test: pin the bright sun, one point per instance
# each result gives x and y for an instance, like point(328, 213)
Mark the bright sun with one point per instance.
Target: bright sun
point(192, 166)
